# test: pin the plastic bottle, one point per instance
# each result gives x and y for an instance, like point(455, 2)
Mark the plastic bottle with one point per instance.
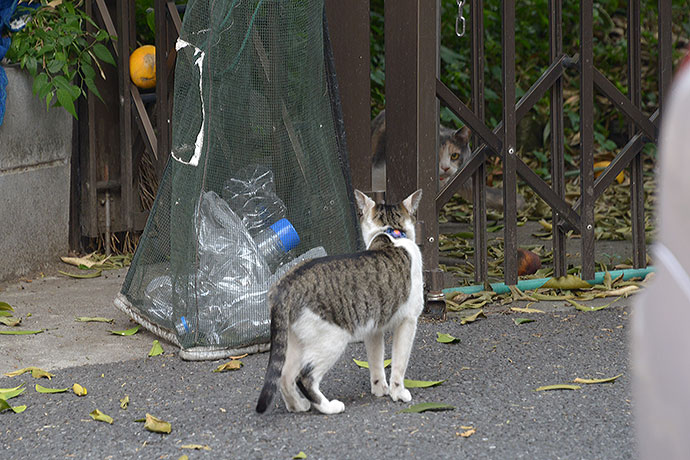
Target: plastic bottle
point(274, 242)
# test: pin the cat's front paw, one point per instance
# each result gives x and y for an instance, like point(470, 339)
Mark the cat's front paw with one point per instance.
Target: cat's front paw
point(330, 407)
point(400, 393)
point(379, 388)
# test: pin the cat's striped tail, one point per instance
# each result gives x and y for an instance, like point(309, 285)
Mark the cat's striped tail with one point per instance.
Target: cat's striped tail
point(279, 334)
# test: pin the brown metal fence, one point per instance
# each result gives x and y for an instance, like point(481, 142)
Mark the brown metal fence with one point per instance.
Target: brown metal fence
point(413, 94)
point(413, 88)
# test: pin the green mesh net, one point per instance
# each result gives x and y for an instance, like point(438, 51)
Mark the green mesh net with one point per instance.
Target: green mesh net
point(257, 180)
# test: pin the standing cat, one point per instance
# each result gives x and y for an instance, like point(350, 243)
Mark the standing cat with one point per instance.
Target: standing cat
point(453, 152)
point(324, 304)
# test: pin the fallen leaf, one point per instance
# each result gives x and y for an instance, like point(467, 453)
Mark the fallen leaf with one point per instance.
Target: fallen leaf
point(21, 332)
point(365, 365)
point(36, 373)
point(593, 381)
point(423, 407)
point(101, 417)
point(157, 425)
point(93, 319)
point(195, 447)
point(10, 321)
point(623, 291)
point(579, 306)
point(566, 282)
point(446, 338)
point(472, 318)
point(42, 389)
point(540, 296)
point(519, 321)
point(183, 457)
point(4, 405)
point(94, 274)
point(4, 306)
point(608, 282)
point(240, 356)
point(526, 310)
point(124, 402)
point(232, 365)
point(9, 393)
point(468, 433)
point(79, 390)
point(79, 261)
point(300, 456)
point(422, 383)
point(558, 387)
point(5, 313)
point(131, 331)
point(156, 349)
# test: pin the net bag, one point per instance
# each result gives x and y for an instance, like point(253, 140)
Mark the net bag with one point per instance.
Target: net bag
point(257, 179)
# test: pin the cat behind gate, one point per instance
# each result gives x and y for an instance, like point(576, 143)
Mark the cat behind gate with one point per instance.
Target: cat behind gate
point(324, 304)
point(453, 152)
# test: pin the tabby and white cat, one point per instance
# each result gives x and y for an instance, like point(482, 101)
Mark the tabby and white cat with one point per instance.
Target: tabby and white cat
point(324, 304)
point(453, 152)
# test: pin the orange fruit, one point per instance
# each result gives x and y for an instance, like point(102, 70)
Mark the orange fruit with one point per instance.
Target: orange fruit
point(604, 164)
point(142, 66)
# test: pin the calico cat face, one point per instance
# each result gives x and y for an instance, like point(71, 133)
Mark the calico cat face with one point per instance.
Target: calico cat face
point(454, 150)
point(377, 218)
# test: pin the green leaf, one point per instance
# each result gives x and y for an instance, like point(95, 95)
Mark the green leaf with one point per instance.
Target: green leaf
point(157, 425)
point(93, 274)
point(92, 87)
point(195, 447)
point(66, 100)
point(5, 313)
point(42, 389)
point(4, 306)
point(301, 455)
point(124, 402)
point(472, 318)
point(558, 387)
point(4, 405)
point(54, 66)
point(365, 364)
point(422, 383)
point(101, 417)
point(156, 349)
point(10, 321)
point(594, 381)
point(9, 393)
point(424, 407)
point(128, 332)
point(103, 54)
point(92, 319)
point(567, 282)
point(446, 338)
point(519, 321)
point(21, 332)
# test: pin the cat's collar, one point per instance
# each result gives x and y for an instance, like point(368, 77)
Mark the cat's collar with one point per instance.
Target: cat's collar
point(395, 232)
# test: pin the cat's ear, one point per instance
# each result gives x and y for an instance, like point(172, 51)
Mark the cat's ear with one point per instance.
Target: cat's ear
point(412, 202)
point(462, 135)
point(364, 202)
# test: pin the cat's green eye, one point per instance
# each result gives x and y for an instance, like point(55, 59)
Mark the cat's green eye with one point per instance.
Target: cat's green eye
point(454, 156)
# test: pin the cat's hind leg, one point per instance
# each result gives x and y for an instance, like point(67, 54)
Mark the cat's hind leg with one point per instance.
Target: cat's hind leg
point(377, 376)
point(402, 347)
point(322, 343)
point(294, 401)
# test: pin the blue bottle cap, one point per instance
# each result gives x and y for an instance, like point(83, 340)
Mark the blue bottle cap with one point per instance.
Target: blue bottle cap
point(287, 234)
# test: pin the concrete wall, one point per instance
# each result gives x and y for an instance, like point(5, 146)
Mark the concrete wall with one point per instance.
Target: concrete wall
point(35, 150)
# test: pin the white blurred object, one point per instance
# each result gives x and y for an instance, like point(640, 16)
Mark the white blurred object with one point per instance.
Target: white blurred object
point(661, 334)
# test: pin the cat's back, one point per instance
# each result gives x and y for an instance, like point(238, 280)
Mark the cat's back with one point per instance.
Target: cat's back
point(348, 290)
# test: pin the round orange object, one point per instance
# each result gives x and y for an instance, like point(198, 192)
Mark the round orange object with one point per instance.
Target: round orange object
point(604, 164)
point(142, 66)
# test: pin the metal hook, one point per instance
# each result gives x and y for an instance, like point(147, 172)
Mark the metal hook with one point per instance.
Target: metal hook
point(460, 20)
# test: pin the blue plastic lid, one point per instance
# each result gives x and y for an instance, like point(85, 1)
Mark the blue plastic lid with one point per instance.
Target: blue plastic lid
point(287, 234)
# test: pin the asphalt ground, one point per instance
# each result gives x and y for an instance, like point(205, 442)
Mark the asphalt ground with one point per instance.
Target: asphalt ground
point(490, 378)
